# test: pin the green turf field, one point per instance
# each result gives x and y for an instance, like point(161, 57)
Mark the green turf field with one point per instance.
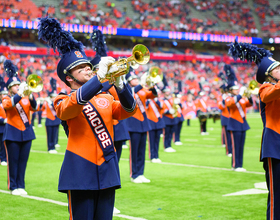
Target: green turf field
point(189, 184)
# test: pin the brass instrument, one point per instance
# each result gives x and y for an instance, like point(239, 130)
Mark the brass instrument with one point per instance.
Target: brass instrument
point(34, 83)
point(175, 107)
point(140, 55)
point(154, 76)
point(253, 88)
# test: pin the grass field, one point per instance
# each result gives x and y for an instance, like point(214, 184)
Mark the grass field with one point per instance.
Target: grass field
point(189, 184)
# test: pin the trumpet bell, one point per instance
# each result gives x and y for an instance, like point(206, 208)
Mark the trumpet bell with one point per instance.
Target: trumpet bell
point(141, 54)
point(155, 74)
point(35, 83)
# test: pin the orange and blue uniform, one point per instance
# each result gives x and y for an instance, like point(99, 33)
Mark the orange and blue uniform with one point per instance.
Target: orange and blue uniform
point(270, 154)
point(138, 125)
point(178, 128)
point(237, 125)
point(2, 126)
point(90, 161)
point(154, 114)
point(201, 107)
point(169, 120)
point(226, 138)
point(121, 133)
point(52, 124)
point(18, 135)
point(189, 111)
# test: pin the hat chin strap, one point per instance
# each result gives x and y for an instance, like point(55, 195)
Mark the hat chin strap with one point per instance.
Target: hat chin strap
point(272, 77)
point(72, 77)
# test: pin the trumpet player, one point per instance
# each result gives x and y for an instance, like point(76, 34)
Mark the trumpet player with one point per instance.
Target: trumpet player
point(180, 119)
point(52, 122)
point(169, 116)
point(3, 121)
point(18, 133)
point(154, 114)
point(138, 126)
point(237, 123)
point(268, 75)
point(90, 171)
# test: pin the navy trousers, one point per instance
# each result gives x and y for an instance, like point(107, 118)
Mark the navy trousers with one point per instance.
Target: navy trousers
point(178, 129)
point(237, 141)
point(226, 139)
point(203, 126)
point(118, 146)
point(91, 204)
point(34, 116)
point(39, 117)
point(272, 170)
point(2, 149)
point(168, 132)
point(137, 153)
point(154, 138)
point(18, 153)
point(52, 136)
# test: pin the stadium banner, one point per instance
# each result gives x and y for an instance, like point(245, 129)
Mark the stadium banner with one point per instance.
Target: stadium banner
point(78, 28)
point(43, 51)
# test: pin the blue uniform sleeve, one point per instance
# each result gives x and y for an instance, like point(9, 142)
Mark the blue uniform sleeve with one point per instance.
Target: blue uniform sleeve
point(237, 98)
point(88, 90)
point(33, 102)
point(138, 88)
point(154, 91)
point(2, 121)
point(126, 99)
point(15, 99)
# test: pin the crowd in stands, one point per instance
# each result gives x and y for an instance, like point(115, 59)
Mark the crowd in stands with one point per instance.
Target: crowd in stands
point(167, 15)
point(191, 73)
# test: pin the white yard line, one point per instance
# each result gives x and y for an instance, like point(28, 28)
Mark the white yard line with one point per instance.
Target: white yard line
point(66, 204)
point(175, 164)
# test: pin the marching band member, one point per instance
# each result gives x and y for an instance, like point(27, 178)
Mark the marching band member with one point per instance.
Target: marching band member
point(18, 133)
point(154, 114)
point(201, 106)
point(226, 138)
point(237, 124)
point(169, 119)
point(189, 109)
point(268, 74)
point(52, 121)
point(121, 133)
point(90, 172)
point(180, 119)
point(138, 125)
point(3, 121)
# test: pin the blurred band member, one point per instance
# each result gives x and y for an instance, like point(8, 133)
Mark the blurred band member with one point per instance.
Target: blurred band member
point(3, 121)
point(201, 106)
point(154, 114)
point(138, 125)
point(180, 119)
point(169, 116)
point(18, 132)
point(237, 124)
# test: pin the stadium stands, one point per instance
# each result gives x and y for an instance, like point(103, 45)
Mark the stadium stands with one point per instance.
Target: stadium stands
point(250, 18)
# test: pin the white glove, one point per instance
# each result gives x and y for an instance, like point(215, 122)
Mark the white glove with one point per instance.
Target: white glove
point(171, 111)
point(103, 67)
point(22, 89)
point(224, 96)
point(5, 121)
point(242, 90)
point(177, 101)
point(119, 82)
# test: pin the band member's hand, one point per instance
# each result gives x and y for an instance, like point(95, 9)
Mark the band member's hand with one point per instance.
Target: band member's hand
point(103, 67)
point(171, 111)
point(242, 90)
point(119, 82)
point(177, 101)
point(22, 89)
point(5, 121)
